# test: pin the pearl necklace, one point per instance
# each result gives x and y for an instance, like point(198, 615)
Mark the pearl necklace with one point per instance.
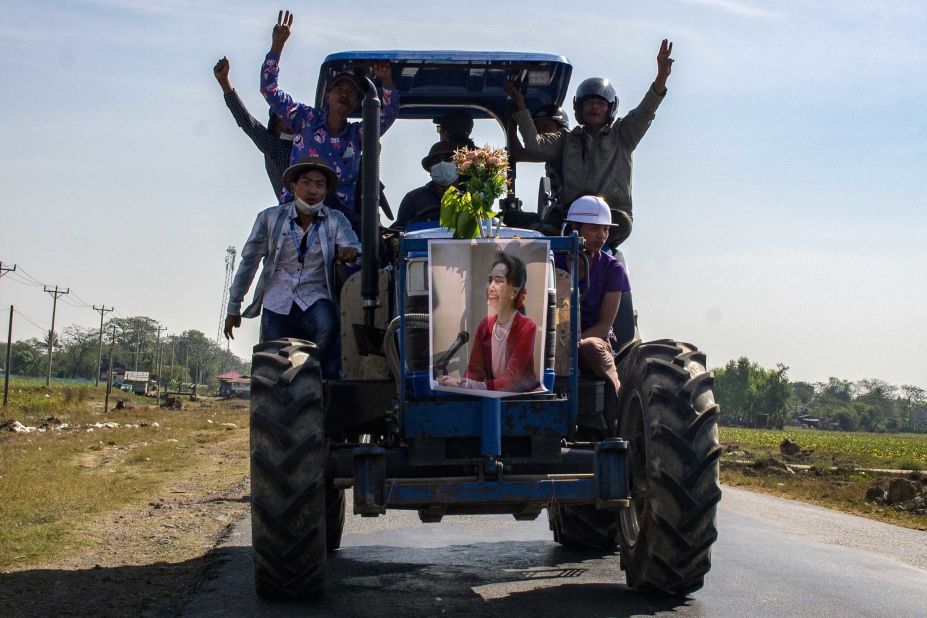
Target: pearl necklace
point(503, 328)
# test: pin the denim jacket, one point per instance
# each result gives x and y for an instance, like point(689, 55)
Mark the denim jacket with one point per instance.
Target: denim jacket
point(265, 243)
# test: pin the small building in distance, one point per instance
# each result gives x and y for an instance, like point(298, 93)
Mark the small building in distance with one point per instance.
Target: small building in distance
point(233, 384)
point(138, 380)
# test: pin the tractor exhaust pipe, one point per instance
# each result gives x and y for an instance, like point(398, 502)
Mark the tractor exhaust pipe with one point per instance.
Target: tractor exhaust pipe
point(369, 338)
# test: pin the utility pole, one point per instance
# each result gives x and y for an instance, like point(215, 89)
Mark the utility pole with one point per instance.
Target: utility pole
point(196, 379)
point(171, 379)
point(6, 269)
point(55, 293)
point(102, 310)
point(138, 340)
point(109, 376)
point(160, 328)
point(9, 340)
point(9, 348)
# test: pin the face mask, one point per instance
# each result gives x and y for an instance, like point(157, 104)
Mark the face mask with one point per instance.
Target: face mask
point(444, 173)
point(307, 209)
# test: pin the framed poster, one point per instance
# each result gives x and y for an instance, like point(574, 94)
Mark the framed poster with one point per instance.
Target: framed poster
point(488, 301)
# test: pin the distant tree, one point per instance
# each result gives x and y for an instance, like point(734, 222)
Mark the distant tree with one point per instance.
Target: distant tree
point(799, 402)
point(26, 358)
point(803, 392)
point(77, 357)
point(879, 395)
point(135, 345)
point(745, 390)
point(913, 406)
point(847, 418)
point(834, 389)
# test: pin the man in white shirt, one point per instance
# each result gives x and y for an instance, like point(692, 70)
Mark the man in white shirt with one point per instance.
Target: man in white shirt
point(298, 243)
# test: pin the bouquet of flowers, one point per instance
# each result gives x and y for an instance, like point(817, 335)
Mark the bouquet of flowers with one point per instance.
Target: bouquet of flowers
point(466, 211)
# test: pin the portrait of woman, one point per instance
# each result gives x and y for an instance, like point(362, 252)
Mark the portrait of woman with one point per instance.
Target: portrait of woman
point(502, 356)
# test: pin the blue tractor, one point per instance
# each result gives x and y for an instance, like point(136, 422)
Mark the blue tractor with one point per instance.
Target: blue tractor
point(637, 473)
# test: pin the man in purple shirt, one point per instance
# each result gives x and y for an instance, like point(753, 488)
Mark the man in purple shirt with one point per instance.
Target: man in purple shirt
point(591, 217)
point(326, 132)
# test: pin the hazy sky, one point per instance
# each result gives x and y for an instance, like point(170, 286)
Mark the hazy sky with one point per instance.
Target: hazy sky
point(779, 196)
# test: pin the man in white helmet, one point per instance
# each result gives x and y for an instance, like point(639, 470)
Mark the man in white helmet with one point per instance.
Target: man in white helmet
point(591, 217)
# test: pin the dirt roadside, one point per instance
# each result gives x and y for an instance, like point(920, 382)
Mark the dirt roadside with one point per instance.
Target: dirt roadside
point(144, 559)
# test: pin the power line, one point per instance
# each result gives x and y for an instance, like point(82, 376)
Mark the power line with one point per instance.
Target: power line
point(24, 281)
point(75, 305)
point(85, 303)
point(40, 324)
point(40, 328)
point(31, 278)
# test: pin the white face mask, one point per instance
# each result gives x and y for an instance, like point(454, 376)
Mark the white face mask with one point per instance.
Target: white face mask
point(444, 173)
point(307, 209)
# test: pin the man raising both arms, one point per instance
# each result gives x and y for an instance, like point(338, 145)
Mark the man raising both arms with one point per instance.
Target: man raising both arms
point(326, 132)
point(597, 154)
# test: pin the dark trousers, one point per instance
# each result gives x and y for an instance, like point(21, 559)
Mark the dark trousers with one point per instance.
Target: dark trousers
point(319, 323)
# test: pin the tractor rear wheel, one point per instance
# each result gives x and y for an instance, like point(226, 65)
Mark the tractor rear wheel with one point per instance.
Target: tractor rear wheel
point(288, 457)
point(583, 527)
point(668, 414)
point(334, 518)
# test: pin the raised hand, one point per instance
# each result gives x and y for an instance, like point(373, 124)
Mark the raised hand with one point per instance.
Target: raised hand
point(664, 67)
point(384, 72)
point(664, 62)
point(515, 94)
point(281, 31)
point(221, 70)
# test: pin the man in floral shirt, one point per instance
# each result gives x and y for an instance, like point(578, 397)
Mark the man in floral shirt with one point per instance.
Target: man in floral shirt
point(326, 132)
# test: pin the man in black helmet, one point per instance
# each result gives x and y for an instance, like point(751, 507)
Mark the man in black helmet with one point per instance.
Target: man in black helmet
point(597, 155)
point(455, 126)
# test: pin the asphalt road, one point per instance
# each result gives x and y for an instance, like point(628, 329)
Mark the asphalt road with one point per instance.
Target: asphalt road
point(773, 557)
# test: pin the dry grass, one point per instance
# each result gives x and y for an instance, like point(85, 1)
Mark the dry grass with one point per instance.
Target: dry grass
point(752, 460)
point(843, 490)
point(53, 485)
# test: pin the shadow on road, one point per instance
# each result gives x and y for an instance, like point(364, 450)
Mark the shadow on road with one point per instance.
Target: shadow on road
point(480, 579)
point(160, 589)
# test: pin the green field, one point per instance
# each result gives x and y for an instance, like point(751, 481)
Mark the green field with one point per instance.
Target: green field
point(897, 451)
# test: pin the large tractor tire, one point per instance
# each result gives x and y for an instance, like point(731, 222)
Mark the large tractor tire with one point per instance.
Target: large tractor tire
point(288, 457)
point(334, 518)
point(668, 414)
point(583, 527)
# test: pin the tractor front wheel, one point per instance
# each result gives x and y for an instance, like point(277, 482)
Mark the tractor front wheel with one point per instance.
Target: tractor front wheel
point(667, 412)
point(288, 457)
